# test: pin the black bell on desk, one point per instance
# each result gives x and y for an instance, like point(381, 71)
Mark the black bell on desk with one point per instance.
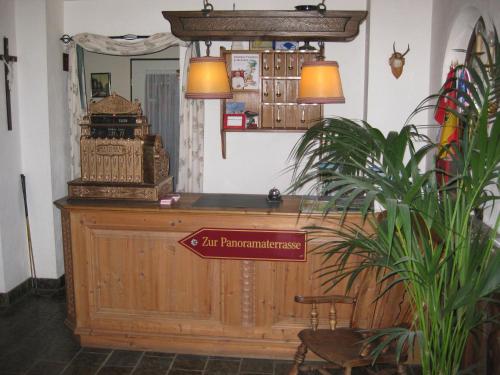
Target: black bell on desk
point(274, 196)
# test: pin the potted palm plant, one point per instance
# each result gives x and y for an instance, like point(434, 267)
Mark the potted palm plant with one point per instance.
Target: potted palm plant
point(427, 238)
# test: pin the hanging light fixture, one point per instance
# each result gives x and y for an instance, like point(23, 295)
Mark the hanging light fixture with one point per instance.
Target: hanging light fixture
point(207, 79)
point(207, 76)
point(320, 82)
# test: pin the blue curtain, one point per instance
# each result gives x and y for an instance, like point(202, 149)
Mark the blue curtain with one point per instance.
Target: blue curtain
point(162, 110)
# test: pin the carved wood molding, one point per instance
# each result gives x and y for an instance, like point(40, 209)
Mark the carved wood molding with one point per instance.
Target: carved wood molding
point(330, 26)
point(112, 160)
point(115, 105)
point(161, 160)
point(68, 267)
point(78, 189)
point(248, 293)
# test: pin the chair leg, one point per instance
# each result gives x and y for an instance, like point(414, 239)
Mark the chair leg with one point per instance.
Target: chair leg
point(300, 355)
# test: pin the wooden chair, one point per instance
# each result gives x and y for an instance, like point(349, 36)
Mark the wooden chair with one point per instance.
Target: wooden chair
point(343, 347)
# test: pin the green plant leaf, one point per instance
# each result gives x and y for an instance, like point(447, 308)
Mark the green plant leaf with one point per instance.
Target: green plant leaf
point(426, 240)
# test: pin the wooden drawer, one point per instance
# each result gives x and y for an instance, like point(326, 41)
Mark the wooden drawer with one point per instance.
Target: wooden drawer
point(291, 64)
point(280, 64)
point(267, 91)
point(267, 64)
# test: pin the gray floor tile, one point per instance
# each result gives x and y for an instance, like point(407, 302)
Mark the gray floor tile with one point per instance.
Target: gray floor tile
point(155, 363)
point(18, 361)
point(189, 362)
point(258, 366)
point(158, 354)
point(46, 368)
point(115, 371)
point(123, 358)
point(282, 367)
point(222, 366)
point(84, 359)
point(60, 351)
point(144, 371)
point(96, 350)
point(80, 370)
point(224, 358)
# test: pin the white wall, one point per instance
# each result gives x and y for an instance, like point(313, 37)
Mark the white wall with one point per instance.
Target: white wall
point(42, 122)
point(405, 22)
point(58, 128)
point(117, 17)
point(13, 246)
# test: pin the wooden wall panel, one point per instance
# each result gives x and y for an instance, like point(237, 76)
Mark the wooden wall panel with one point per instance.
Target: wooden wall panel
point(136, 272)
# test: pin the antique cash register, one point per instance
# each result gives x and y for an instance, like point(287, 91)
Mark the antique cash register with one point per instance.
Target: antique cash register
point(119, 158)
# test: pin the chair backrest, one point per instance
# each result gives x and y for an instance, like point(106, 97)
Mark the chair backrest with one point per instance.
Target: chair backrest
point(332, 314)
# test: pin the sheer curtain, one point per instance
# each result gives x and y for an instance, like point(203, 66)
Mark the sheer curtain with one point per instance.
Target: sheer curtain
point(190, 137)
point(191, 116)
point(162, 108)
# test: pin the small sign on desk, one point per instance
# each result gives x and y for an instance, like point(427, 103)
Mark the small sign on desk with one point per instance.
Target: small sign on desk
point(251, 244)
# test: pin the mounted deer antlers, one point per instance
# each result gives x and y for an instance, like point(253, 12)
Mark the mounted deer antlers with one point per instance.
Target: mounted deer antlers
point(397, 61)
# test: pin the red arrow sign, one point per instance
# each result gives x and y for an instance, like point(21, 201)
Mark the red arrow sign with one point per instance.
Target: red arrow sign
point(248, 244)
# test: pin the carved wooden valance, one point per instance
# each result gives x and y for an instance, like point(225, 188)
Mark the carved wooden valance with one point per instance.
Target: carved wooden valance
point(284, 25)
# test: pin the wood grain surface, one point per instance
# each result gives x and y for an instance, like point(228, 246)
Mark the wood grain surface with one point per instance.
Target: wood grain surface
point(135, 286)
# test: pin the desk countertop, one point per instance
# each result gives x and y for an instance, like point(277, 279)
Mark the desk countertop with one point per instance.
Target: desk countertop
point(246, 203)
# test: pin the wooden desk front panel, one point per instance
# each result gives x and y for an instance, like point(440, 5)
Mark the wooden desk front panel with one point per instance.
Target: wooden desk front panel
point(135, 286)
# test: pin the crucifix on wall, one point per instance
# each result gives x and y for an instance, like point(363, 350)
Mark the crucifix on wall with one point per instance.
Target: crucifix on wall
point(7, 60)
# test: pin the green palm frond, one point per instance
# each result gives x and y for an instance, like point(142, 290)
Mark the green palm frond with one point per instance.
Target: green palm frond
point(426, 238)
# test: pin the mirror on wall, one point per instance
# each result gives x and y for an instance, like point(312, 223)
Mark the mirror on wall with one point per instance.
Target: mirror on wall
point(152, 79)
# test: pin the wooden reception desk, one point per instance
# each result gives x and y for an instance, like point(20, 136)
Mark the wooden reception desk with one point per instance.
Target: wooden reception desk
point(130, 284)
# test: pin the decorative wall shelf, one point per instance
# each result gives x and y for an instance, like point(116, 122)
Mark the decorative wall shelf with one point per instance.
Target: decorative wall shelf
point(268, 25)
point(274, 100)
point(284, 25)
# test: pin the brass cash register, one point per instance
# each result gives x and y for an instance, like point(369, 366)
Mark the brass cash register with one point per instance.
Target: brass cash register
point(119, 158)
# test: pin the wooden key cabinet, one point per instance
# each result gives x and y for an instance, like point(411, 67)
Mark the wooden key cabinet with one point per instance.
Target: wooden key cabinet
point(265, 86)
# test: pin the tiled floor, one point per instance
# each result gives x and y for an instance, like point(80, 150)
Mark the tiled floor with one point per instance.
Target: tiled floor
point(35, 341)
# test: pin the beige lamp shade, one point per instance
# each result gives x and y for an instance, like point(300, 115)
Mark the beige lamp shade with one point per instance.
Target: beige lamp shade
point(320, 83)
point(207, 79)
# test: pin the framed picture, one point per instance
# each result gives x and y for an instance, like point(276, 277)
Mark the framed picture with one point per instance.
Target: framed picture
point(101, 84)
point(234, 121)
point(261, 44)
point(235, 107)
point(287, 46)
point(245, 71)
